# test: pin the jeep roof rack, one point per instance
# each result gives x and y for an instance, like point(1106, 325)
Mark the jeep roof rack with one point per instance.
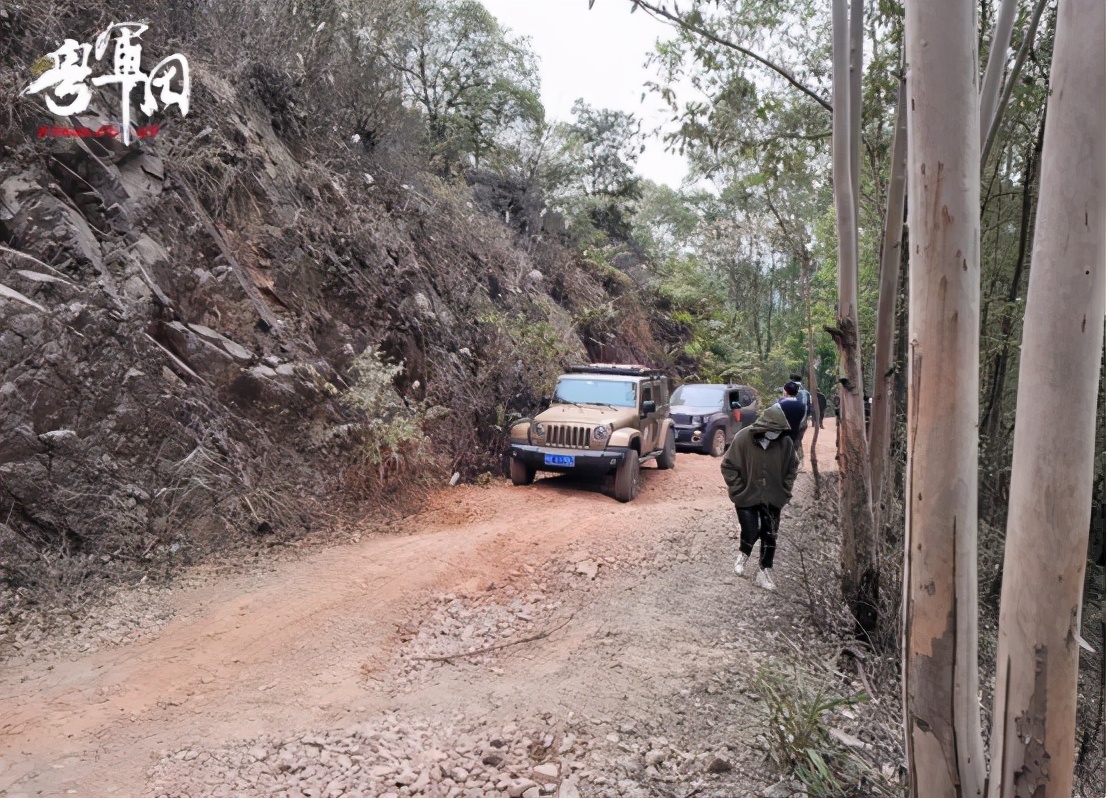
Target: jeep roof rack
point(629, 369)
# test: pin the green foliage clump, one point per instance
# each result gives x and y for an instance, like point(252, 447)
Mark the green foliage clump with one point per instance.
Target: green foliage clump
point(800, 740)
point(390, 438)
point(539, 353)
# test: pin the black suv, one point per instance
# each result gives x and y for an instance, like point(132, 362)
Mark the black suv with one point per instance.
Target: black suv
point(706, 417)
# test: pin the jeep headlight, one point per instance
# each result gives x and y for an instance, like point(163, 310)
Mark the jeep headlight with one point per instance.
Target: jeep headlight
point(537, 429)
point(698, 420)
point(602, 432)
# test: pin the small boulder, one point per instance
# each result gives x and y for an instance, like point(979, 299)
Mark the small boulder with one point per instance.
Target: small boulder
point(588, 568)
point(719, 765)
point(547, 770)
point(569, 789)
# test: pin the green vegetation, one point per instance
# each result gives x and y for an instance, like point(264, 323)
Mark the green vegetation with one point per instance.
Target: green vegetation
point(798, 726)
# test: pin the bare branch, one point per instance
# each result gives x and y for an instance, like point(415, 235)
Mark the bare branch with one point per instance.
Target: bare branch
point(487, 649)
point(662, 12)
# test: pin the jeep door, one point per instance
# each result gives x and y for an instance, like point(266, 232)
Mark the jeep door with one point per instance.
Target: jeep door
point(749, 412)
point(732, 404)
point(651, 426)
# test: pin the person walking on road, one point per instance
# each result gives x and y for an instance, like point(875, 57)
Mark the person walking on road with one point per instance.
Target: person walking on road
point(759, 469)
point(821, 400)
point(796, 413)
point(806, 399)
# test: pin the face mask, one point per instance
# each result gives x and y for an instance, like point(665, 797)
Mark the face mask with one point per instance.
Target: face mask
point(772, 435)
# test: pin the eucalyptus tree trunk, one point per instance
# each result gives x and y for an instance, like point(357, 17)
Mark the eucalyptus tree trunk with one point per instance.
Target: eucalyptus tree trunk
point(994, 70)
point(1052, 460)
point(995, 434)
point(881, 417)
point(859, 546)
point(942, 719)
point(988, 134)
point(817, 414)
point(856, 71)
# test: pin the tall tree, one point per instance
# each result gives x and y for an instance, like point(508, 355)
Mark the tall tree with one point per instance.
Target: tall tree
point(988, 134)
point(994, 69)
point(942, 720)
point(465, 72)
point(859, 546)
point(884, 354)
point(1052, 462)
point(597, 185)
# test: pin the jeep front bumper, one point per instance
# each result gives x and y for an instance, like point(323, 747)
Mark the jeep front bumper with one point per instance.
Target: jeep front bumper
point(584, 461)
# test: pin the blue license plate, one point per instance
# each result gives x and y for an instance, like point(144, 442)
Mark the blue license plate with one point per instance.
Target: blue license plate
point(564, 460)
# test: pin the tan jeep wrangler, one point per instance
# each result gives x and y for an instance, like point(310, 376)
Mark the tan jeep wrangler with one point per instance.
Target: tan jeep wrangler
point(603, 418)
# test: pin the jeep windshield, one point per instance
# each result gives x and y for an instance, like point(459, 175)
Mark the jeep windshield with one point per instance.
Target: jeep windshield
point(698, 396)
point(584, 391)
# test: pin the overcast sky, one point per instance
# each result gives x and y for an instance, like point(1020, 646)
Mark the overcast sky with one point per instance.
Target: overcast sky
point(597, 55)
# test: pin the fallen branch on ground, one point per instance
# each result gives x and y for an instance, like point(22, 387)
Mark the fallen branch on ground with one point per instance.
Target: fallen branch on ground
point(486, 649)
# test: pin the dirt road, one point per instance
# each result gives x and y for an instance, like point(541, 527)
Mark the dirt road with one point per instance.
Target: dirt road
point(608, 648)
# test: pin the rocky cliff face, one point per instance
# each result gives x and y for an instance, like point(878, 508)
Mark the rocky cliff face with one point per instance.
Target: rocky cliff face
point(179, 319)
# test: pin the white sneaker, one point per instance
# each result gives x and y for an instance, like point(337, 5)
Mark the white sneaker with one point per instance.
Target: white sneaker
point(740, 564)
point(764, 579)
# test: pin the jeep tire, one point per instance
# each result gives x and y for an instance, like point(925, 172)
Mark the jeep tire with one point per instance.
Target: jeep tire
point(668, 457)
point(627, 477)
point(521, 474)
point(717, 444)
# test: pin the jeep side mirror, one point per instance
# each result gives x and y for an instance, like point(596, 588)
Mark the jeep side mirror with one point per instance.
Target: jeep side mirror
point(649, 407)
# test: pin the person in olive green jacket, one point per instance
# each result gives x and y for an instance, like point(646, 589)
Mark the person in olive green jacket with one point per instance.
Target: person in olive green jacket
point(760, 468)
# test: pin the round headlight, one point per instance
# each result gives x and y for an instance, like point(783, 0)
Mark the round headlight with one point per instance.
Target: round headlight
point(538, 429)
point(601, 432)
point(698, 419)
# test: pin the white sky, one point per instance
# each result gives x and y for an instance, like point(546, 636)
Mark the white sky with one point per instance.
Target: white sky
point(597, 55)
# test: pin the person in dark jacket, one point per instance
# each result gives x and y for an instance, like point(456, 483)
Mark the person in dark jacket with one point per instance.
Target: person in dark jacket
point(821, 400)
point(796, 412)
point(759, 469)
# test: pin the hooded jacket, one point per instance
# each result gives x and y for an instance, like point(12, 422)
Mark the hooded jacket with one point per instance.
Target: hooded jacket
point(758, 476)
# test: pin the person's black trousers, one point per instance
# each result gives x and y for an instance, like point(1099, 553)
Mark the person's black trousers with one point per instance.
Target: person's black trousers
point(759, 523)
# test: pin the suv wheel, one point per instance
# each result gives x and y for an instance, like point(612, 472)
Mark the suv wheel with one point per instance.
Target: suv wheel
point(521, 474)
point(668, 457)
point(627, 477)
point(718, 445)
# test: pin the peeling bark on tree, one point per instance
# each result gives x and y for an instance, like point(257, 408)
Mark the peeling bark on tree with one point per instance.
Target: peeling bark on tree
point(859, 545)
point(942, 720)
point(1052, 462)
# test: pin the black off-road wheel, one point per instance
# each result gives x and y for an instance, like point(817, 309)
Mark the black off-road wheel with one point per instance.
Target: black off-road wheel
point(521, 474)
point(717, 444)
point(668, 457)
point(627, 477)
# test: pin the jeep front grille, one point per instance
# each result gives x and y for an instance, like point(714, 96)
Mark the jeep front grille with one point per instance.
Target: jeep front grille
point(569, 436)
